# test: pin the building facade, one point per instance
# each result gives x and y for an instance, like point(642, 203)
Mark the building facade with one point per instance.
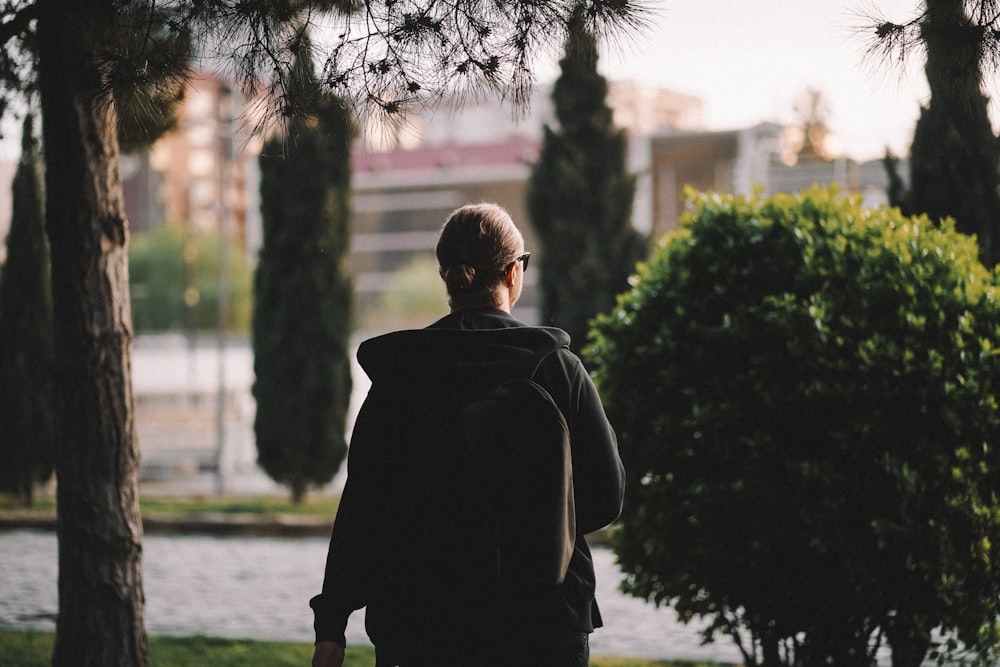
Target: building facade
point(202, 174)
point(410, 173)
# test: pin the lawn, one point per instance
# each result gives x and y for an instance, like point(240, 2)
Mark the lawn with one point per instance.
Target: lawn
point(316, 505)
point(30, 648)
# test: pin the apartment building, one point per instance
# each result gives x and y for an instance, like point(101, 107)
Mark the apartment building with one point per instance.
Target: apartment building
point(203, 173)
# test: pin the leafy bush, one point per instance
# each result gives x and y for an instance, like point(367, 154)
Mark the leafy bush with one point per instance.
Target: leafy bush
point(805, 395)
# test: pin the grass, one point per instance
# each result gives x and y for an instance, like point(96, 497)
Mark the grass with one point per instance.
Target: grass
point(32, 648)
point(325, 506)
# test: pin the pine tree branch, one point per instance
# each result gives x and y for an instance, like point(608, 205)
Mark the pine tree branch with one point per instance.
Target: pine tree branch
point(19, 24)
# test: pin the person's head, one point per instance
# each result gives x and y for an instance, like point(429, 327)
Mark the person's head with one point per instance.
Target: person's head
point(478, 253)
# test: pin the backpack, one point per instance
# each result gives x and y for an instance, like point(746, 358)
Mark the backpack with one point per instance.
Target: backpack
point(521, 472)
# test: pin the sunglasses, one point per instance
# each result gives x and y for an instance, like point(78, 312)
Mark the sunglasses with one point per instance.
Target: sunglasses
point(520, 258)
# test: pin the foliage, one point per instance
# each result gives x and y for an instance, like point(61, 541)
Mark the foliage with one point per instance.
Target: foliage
point(148, 92)
point(302, 315)
point(27, 399)
point(164, 261)
point(386, 57)
point(391, 56)
point(580, 198)
point(804, 392)
point(955, 156)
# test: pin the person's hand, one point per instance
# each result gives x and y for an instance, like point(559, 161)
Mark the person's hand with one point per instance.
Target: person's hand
point(328, 654)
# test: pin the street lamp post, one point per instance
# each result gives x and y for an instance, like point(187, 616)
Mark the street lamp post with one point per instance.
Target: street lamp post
point(226, 139)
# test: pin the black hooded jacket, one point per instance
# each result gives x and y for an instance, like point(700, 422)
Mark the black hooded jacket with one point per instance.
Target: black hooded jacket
point(402, 526)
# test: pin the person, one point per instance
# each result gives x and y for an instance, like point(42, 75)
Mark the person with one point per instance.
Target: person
point(402, 524)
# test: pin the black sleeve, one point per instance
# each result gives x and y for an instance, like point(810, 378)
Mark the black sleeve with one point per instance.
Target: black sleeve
point(348, 561)
point(598, 473)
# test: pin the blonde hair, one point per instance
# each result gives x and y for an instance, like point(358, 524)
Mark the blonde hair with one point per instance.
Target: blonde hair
point(477, 242)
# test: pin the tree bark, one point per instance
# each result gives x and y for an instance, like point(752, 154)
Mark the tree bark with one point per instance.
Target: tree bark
point(99, 526)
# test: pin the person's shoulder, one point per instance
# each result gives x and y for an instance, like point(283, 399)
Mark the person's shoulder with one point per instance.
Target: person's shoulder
point(400, 352)
point(567, 358)
point(562, 361)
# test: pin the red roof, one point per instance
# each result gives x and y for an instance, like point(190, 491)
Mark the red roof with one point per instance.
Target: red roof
point(517, 151)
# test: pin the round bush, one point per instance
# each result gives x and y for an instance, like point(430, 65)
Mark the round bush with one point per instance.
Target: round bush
point(805, 395)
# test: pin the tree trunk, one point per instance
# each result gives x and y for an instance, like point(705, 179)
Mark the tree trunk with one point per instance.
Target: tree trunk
point(99, 526)
point(908, 634)
point(298, 491)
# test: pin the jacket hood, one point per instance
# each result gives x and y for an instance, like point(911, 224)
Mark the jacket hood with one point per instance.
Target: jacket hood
point(442, 352)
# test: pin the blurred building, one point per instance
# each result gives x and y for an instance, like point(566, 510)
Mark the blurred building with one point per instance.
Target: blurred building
point(730, 161)
point(401, 196)
point(202, 174)
point(407, 177)
point(408, 174)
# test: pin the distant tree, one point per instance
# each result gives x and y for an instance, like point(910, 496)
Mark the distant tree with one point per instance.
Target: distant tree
point(302, 312)
point(803, 391)
point(580, 196)
point(26, 349)
point(955, 155)
point(897, 194)
point(814, 113)
point(156, 280)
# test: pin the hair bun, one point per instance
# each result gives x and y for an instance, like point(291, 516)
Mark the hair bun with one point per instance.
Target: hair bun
point(459, 278)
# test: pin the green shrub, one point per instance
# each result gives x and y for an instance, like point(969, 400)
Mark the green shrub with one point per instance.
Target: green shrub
point(805, 395)
point(158, 261)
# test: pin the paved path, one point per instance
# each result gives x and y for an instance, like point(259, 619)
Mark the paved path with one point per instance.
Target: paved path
point(260, 587)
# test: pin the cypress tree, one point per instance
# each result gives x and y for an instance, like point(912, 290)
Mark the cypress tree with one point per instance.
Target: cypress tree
point(897, 194)
point(580, 197)
point(301, 320)
point(26, 338)
point(955, 156)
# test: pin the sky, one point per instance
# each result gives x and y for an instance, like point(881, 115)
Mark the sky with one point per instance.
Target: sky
point(752, 60)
